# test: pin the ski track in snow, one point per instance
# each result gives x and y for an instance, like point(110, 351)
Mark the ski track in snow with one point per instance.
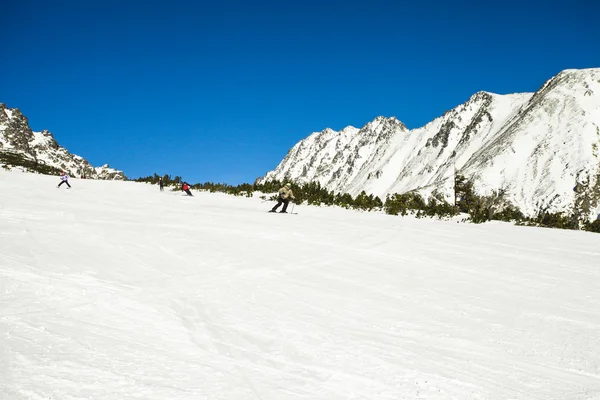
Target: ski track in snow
point(114, 290)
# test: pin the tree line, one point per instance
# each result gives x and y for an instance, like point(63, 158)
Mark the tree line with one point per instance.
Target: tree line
point(466, 201)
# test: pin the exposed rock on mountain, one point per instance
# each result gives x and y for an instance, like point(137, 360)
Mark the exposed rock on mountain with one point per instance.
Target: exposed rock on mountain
point(39, 151)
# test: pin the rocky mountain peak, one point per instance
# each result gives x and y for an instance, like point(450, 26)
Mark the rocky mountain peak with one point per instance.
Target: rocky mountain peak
point(20, 146)
point(384, 123)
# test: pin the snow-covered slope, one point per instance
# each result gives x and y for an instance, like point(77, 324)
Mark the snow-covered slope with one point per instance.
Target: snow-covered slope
point(17, 137)
point(114, 290)
point(533, 147)
point(336, 158)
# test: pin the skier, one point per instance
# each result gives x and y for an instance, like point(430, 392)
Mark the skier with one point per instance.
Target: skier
point(160, 184)
point(285, 194)
point(186, 188)
point(64, 178)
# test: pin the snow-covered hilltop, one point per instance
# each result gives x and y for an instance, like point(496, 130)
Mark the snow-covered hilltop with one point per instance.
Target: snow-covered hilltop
point(40, 148)
point(534, 148)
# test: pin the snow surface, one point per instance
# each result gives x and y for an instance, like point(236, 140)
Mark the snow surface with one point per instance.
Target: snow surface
point(40, 139)
point(105, 169)
point(114, 290)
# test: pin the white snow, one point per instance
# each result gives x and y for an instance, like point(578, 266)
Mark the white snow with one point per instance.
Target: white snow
point(40, 139)
point(114, 290)
point(104, 168)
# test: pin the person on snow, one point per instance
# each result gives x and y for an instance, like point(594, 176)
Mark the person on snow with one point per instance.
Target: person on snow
point(161, 184)
point(285, 194)
point(64, 178)
point(186, 188)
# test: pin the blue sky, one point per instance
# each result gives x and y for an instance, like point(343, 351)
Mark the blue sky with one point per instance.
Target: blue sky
point(220, 91)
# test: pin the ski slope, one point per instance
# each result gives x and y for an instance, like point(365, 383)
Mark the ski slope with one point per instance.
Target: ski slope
point(114, 290)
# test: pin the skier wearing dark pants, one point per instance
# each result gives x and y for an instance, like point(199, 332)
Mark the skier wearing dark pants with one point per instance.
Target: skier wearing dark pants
point(186, 188)
point(64, 178)
point(161, 184)
point(285, 194)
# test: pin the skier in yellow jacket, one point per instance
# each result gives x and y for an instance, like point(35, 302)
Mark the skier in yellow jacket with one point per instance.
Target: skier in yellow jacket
point(285, 194)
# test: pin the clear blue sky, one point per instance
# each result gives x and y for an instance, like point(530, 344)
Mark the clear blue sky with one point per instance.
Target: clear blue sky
point(220, 91)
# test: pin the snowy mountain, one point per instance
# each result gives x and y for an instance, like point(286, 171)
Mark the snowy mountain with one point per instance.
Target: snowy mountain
point(40, 148)
point(538, 151)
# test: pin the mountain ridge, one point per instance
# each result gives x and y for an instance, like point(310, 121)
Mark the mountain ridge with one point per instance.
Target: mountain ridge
point(40, 150)
point(532, 148)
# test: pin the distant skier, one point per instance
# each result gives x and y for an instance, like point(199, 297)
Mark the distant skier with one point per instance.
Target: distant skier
point(161, 184)
point(285, 194)
point(186, 188)
point(64, 178)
